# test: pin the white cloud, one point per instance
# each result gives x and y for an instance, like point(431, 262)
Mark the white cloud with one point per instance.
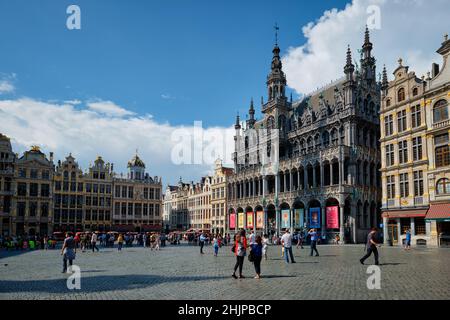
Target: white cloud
point(108, 108)
point(6, 87)
point(409, 29)
point(63, 128)
point(74, 102)
point(168, 97)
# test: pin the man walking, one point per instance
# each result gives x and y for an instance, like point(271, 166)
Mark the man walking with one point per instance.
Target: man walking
point(202, 240)
point(286, 242)
point(94, 242)
point(371, 246)
point(251, 238)
point(314, 237)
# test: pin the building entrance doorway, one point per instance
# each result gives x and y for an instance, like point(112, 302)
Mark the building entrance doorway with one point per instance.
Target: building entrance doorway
point(393, 234)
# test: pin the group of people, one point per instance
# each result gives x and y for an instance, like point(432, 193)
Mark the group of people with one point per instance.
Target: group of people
point(27, 242)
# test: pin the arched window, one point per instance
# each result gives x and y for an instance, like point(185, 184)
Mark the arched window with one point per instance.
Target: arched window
point(334, 136)
point(282, 123)
point(270, 123)
point(415, 92)
point(440, 111)
point(388, 102)
point(310, 144)
point(317, 141)
point(401, 94)
point(443, 186)
point(325, 139)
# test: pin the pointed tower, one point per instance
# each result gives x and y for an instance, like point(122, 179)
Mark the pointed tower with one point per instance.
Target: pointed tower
point(251, 112)
point(384, 82)
point(276, 80)
point(349, 84)
point(367, 61)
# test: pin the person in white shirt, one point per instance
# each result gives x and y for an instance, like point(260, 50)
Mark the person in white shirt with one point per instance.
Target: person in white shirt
point(94, 241)
point(286, 241)
point(251, 238)
point(265, 242)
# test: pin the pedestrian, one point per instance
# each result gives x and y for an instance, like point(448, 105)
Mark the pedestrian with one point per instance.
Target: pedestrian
point(251, 238)
point(313, 234)
point(216, 246)
point(257, 252)
point(157, 242)
point(46, 242)
point(202, 240)
point(407, 245)
point(300, 239)
point(94, 242)
point(144, 240)
point(239, 248)
point(371, 246)
point(120, 242)
point(265, 242)
point(286, 241)
point(68, 252)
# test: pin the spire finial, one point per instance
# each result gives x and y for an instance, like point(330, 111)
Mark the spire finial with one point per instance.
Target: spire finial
point(445, 36)
point(400, 61)
point(367, 35)
point(276, 33)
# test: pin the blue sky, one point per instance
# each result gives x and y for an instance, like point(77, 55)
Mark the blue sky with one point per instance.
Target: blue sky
point(138, 71)
point(179, 61)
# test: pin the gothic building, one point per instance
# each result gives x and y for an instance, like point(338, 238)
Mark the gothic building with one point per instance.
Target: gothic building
point(325, 156)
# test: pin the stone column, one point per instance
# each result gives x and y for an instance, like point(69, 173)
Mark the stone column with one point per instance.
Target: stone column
point(323, 217)
point(341, 221)
point(299, 183)
point(341, 172)
point(385, 231)
point(253, 188)
point(399, 232)
point(291, 212)
point(331, 174)
point(413, 231)
point(284, 182)
point(291, 181)
point(314, 177)
point(305, 178)
point(322, 178)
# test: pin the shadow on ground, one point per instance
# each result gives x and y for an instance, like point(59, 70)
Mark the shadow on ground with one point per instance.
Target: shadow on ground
point(97, 283)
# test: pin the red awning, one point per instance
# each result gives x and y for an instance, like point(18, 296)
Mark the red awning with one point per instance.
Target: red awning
point(406, 213)
point(439, 211)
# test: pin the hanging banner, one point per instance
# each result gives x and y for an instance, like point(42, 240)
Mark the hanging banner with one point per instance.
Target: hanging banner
point(250, 220)
point(241, 218)
point(233, 221)
point(332, 217)
point(260, 219)
point(285, 219)
point(314, 217)
point(299, 218)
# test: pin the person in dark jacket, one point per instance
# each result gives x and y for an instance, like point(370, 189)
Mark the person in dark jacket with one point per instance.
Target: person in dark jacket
point(256, 251)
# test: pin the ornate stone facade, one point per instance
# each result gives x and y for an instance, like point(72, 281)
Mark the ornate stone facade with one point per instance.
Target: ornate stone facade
point(219, 197)
point(416, 157)
point(7, 165)
point(32, 206)
point(137, 201)
point(326, 155)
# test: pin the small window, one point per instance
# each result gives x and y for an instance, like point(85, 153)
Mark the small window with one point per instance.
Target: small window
point(401, 94)
point(388, 102)
point(415, 92)
point(443, 186)
point(440, 111)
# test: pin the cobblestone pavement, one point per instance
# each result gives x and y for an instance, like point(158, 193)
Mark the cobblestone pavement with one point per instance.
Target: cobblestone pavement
point(180, 272)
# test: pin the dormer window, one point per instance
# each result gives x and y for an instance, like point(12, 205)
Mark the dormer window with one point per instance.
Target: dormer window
point(388, 102)
point(415, 92)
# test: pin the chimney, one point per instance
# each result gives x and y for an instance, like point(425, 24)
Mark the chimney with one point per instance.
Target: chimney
point(112, 167)
point(434, 70)
point(51, 156)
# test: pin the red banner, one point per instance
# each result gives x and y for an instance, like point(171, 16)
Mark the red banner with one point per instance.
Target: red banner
point(332, 217)
point(232, 220)
point(250, 220)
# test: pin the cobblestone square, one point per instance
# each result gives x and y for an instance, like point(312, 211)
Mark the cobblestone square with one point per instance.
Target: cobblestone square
point(180, 272)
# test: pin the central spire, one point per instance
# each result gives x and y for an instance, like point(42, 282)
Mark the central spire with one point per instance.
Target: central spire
point(276, 80)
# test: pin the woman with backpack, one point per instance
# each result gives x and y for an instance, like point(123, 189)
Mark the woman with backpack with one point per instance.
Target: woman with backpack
point(257, 253)
point(239, 248)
